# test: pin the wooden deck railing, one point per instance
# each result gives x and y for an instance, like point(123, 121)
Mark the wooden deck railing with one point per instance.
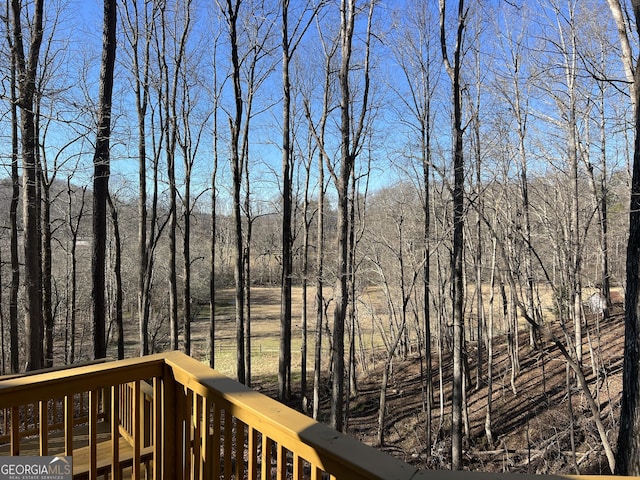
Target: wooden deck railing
point(170, 417)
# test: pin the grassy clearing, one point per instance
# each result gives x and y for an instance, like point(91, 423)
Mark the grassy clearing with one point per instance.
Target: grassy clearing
point(265, 326)
point(265, 332)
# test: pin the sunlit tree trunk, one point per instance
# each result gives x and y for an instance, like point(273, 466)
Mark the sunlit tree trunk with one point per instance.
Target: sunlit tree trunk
point(13, 216)
point(26, 63)
point(137, 28)
point(101, 179)
point(117, 270)
point(235, 122)
point(627, 461)
point(284, 363)
point(74, 229)
point(454, 69)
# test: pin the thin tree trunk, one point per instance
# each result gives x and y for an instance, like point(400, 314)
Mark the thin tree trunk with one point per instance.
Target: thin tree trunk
point(117, 269)
point(458, 232)
point(627, 460)
point(284, 362)
point(214, 213)
point(488, 417)
point(347, 20)
point(47, 304)
point(317, 378)
point(101, 179)
point(13, 217)
point(236, 172)
point(74, 228)
point(26, 65)
point(140, 73)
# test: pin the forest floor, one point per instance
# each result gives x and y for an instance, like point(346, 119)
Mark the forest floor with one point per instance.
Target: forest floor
point(531, 410)
point(531, 419)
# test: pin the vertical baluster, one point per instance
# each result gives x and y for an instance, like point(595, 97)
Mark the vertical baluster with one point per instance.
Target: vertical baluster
point(281, 462)
point(44, 427)
point(187, 438)
point(180, 433)
point(68, 425)
point(115, 432)
point(128, 409)
point(316, 473)
point(298, 467)
point(207, 450)
point(170, 427)
point(215, 441)
point(157, 428)
point(267, 444)
point(228, 423)
point(15, 431)
point(252, 453)
point(94, 398)
point(197, 437)
point(239, 441)
point(135, 420)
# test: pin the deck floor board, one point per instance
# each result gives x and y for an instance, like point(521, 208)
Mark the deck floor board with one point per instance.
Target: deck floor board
point(30, 446)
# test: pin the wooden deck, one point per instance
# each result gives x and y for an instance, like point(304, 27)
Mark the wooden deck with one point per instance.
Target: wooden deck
point(30, 446)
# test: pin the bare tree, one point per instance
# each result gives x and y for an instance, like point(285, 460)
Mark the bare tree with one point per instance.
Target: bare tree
point(230, 10)
point(189, 140)
point(454, 70)
point(13, 209)
point(389, 251)
point(117, 270)
point(284, 361)
point(318, 130)
point(137, 31)
point(627, 461)
point(290, 42)
point(101, 164)
point(171, 37)
point(351, 136)
point(216, 93)
point(74, 219)
point(26, 63)
point(415, 56)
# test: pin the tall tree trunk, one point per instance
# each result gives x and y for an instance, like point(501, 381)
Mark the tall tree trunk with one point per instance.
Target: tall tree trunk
point(117, 270)
point(458, 231)
point(47, 303)
point(139, 42)
point(14, 361)
point(488, 416)
point(186, 257)
point(214, 212)
point(284, 361)
point(235, 122)
point(305, 283)
point(347, 14)
point(320, 234)
point(101, 179)
point(317, 364)
point(627, 460)
point(350, 143)
point(26, 65)
point(74, 228)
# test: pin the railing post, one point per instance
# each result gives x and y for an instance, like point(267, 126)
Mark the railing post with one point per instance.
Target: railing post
point(167, 424)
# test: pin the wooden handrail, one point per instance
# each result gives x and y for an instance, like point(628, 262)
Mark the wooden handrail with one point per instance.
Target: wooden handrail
point(285, 429)
point(83, 396)
point(57, 368)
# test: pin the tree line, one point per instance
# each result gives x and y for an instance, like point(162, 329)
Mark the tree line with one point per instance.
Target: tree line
point(441, 153)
